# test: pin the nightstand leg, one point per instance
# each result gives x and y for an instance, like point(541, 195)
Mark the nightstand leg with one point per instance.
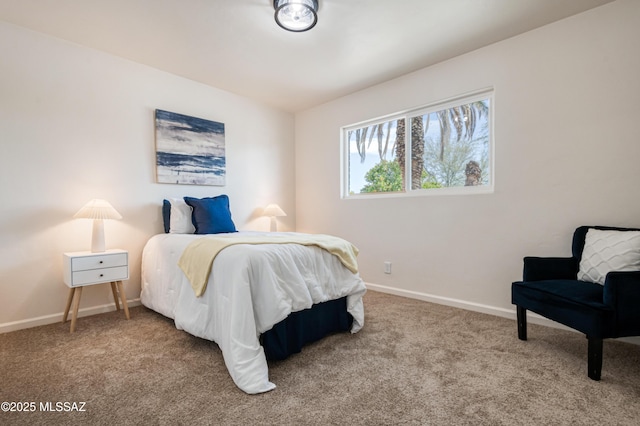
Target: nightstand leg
point(123, 297)
point(72, 291)
point(115, 295)
point(76, 304)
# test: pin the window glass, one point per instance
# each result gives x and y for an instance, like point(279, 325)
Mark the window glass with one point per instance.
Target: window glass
point(373, 162)
point(450, 147)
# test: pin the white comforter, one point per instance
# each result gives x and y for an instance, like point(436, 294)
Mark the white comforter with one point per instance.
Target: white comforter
point(250, 289)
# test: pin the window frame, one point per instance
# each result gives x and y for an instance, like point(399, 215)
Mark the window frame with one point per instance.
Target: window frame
point(407, 115)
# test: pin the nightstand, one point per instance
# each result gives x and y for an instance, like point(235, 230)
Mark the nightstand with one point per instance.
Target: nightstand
point(85, 268)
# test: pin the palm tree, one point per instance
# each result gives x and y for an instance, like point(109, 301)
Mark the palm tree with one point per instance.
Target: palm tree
point(400, 149)
point(417, 152)
point(377, 131)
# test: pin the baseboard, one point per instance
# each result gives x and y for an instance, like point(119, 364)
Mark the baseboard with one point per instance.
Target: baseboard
point(456, 303)
point(53, 318)
point(532, 317)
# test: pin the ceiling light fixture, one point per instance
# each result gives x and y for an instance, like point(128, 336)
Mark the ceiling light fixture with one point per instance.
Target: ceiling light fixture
point(296, 15)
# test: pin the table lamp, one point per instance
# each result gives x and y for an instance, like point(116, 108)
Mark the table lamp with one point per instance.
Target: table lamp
point(98, 210)
point(273, 211)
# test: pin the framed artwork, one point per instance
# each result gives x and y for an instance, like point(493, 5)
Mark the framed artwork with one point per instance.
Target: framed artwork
point(189, 150)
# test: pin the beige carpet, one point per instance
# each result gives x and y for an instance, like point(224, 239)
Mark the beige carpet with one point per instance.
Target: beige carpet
point(413, 363)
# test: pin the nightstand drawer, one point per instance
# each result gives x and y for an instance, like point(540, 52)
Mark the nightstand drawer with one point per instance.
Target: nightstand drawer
point(98, 261)
point(102, 275)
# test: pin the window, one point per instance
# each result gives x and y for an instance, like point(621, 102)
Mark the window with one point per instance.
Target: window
point(446, 148)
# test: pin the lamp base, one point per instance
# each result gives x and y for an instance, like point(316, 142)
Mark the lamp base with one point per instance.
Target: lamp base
point(97, 236)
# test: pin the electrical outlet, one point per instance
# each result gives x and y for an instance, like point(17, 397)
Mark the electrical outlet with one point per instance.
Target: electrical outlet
point(387, 267)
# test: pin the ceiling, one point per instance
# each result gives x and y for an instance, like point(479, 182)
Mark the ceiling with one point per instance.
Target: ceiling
point(236, 45)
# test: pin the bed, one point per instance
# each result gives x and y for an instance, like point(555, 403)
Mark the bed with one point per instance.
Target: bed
point(257, 296)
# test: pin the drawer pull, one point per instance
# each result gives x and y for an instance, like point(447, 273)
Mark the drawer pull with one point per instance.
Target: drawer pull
point(101, 275)
point(101, 262)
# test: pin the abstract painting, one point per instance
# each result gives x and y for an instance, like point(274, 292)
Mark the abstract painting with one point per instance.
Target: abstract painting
point(189, 150)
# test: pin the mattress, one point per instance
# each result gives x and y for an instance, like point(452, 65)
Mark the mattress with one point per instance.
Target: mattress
point(250, 289)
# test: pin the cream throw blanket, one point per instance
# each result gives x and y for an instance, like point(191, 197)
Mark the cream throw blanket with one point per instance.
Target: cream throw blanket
point(197, 259)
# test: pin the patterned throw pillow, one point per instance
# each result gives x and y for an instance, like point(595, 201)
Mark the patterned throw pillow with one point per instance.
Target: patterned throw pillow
point(606, 251)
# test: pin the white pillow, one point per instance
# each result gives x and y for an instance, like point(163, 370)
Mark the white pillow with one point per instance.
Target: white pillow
point(180, 219)
point(606, 251)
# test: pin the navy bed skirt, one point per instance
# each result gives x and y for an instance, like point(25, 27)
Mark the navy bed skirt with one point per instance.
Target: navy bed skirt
point(300, 328)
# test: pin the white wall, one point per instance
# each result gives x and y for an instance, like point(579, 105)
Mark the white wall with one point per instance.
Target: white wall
point(566, 154)
point(77, 124)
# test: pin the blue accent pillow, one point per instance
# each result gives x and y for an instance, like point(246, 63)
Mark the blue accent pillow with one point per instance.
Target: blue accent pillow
point(211, 215)
point(166, 215)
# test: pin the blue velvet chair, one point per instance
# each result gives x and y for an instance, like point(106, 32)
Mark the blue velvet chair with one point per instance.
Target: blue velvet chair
point(550, 288)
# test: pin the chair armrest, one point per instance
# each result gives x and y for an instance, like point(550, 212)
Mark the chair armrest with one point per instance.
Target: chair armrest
point(622, 293)
point(549, 268)
point(622, 288)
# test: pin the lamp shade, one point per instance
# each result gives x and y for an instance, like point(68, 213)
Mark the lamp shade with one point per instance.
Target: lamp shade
point(296, 15)
point(97, 209)
point(273, 210)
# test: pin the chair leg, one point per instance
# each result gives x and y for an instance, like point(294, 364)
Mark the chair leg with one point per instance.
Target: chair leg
point(594, 363)
point(522, 322)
